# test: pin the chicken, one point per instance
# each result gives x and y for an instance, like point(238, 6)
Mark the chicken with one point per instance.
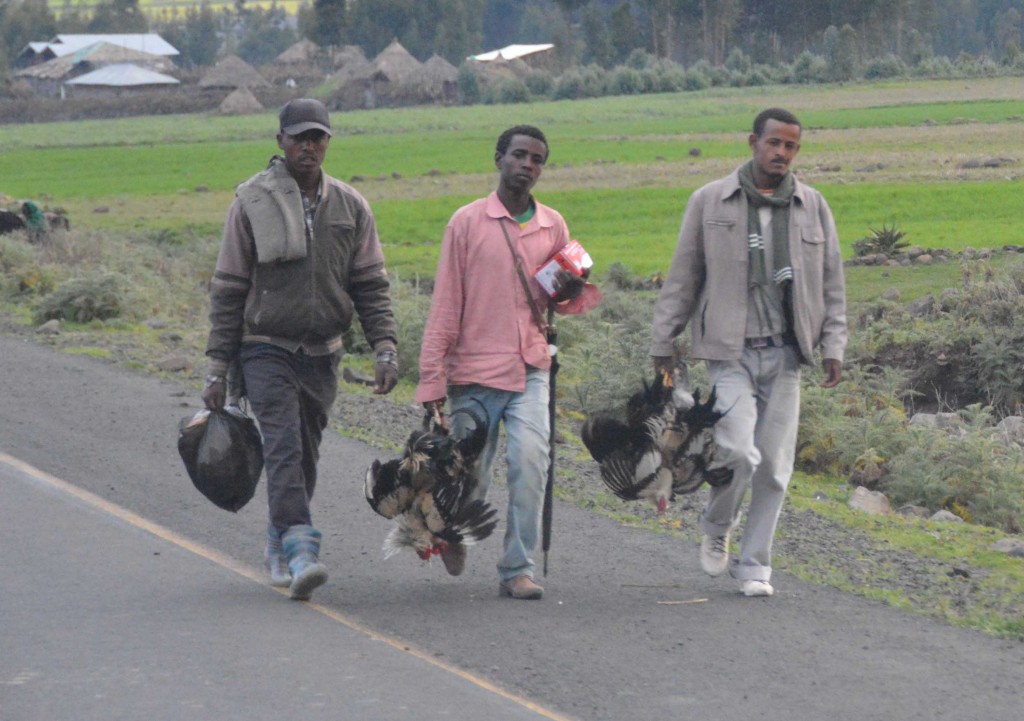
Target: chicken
point(688, 445)
point(629, 453)
point(664, 448)
point(429, 490)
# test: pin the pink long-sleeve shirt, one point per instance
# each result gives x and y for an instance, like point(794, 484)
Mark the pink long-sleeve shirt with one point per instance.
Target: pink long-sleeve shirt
point(480, 328)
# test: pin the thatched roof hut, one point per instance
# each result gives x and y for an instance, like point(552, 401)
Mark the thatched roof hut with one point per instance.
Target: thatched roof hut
point(303, 63)
point(347, 54)
point(304, 51)
point(435, 81)
point(395, 64)
point(233, 72)
point(240, 101)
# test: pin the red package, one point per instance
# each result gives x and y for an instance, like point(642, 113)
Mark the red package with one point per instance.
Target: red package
point(573, 258)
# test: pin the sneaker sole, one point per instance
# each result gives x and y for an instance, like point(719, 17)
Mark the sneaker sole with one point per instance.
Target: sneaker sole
point(715, 572)
point(303, 585)
point(529, 596)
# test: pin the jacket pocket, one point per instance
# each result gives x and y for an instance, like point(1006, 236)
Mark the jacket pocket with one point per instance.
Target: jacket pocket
point(720, 240)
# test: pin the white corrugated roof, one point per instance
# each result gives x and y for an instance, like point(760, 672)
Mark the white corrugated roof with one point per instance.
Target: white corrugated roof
point(511, 52)
point(123, 75)
point(143, 42)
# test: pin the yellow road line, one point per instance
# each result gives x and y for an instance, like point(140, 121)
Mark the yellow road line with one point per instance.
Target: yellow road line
point(252, 574)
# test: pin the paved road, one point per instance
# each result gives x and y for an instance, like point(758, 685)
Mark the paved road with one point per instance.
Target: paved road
point(126, 595)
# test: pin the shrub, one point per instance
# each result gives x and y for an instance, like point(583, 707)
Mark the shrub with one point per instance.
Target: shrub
point(886, 66)
point(697, 79)
point(510, 92)
point(936, 67)
point(469, 86)
point(976, 471)
point(810, 68)
point(626, 81)
point(671, 77)
point(640, 59)
point(540, 83)
point(570, 85)
point(863, 418)
point(738, 62)
point(82, 300)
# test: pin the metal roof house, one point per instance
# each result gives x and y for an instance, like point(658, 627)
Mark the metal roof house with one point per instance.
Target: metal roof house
point(116, 79)
point(47, 77)
point(65, 44)
point(511, 52)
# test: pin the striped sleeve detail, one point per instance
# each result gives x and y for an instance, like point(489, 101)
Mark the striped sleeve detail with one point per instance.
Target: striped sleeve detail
point(228, 280)
point(370, 272)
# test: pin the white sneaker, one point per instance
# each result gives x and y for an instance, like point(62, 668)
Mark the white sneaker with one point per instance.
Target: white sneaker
point(756, 588)
point(714, 554)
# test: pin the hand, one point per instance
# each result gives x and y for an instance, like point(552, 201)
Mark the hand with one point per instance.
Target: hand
point(833, 371)
point(664, 364)
point(435, 406)
point(385, 377)
point(215, 392)
point(567, 286)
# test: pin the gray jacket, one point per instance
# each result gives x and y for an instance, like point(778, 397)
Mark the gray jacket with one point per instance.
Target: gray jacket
point(707, 282)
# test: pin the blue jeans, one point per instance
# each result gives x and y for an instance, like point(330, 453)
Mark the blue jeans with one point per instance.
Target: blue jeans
point(528, 431)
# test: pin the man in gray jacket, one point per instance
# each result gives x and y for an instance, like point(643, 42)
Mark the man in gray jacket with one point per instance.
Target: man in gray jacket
point(758, 277)
point(300, 258)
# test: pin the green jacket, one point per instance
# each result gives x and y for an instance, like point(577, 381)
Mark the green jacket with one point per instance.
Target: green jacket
point(305, 298)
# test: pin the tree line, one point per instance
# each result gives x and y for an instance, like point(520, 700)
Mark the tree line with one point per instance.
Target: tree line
point(598, 32)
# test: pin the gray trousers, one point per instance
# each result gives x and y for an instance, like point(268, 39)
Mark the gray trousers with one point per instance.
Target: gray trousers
point(291, 395)
point(757, 439)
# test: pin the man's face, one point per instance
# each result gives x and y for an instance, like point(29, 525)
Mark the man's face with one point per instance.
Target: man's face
point(304, 153)
point(775, 150)
point(521, 165)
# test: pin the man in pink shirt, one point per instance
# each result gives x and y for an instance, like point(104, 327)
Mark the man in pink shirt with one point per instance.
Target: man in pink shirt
point(483, 344)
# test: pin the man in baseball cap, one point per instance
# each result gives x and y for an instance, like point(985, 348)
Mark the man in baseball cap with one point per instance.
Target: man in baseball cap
point(304, 114)
point(300, 260)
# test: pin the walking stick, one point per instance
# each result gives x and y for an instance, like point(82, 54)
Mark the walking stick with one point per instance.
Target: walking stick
point(550, 486)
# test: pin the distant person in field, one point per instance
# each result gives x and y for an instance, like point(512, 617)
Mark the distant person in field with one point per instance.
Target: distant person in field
point(758, 277)
point(485, 345)
point(300, 258)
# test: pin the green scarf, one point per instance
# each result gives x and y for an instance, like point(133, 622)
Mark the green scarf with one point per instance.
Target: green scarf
point(779, 201)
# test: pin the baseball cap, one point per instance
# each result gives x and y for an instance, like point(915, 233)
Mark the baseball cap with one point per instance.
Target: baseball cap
point(303, 114)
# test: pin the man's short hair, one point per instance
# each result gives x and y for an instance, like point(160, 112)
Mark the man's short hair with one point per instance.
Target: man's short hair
point(506, 138)
point(782, 116)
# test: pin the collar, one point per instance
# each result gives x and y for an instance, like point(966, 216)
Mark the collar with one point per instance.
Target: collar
point(496, 209)
point(731, 186)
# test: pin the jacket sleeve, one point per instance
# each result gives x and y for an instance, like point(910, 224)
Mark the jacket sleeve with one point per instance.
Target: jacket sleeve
point(834, 328)
point(678, 297)
point(229, 289)
point(370, 288)
point(444, 321)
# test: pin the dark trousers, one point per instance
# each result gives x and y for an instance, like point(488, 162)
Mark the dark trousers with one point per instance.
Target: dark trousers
point(291, 395)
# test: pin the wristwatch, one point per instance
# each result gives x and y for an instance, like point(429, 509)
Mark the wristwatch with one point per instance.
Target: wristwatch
point(210, 380)
point(389, 357)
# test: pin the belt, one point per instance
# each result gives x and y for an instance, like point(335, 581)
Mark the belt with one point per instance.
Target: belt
point(768, 341)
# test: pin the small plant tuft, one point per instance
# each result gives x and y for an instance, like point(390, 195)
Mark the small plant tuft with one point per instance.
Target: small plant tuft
point(887, 241)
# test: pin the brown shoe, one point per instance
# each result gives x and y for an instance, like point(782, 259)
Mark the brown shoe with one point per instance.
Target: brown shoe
point(522, 587)
point(454, 558)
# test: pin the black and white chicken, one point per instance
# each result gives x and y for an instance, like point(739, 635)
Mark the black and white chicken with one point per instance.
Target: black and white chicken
point(664, 448)
point(429, 490)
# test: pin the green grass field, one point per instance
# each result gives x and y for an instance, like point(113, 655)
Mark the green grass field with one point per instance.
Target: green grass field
point(621, 168)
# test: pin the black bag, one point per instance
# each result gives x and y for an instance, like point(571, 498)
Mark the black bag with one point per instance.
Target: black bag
point(223, 454)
